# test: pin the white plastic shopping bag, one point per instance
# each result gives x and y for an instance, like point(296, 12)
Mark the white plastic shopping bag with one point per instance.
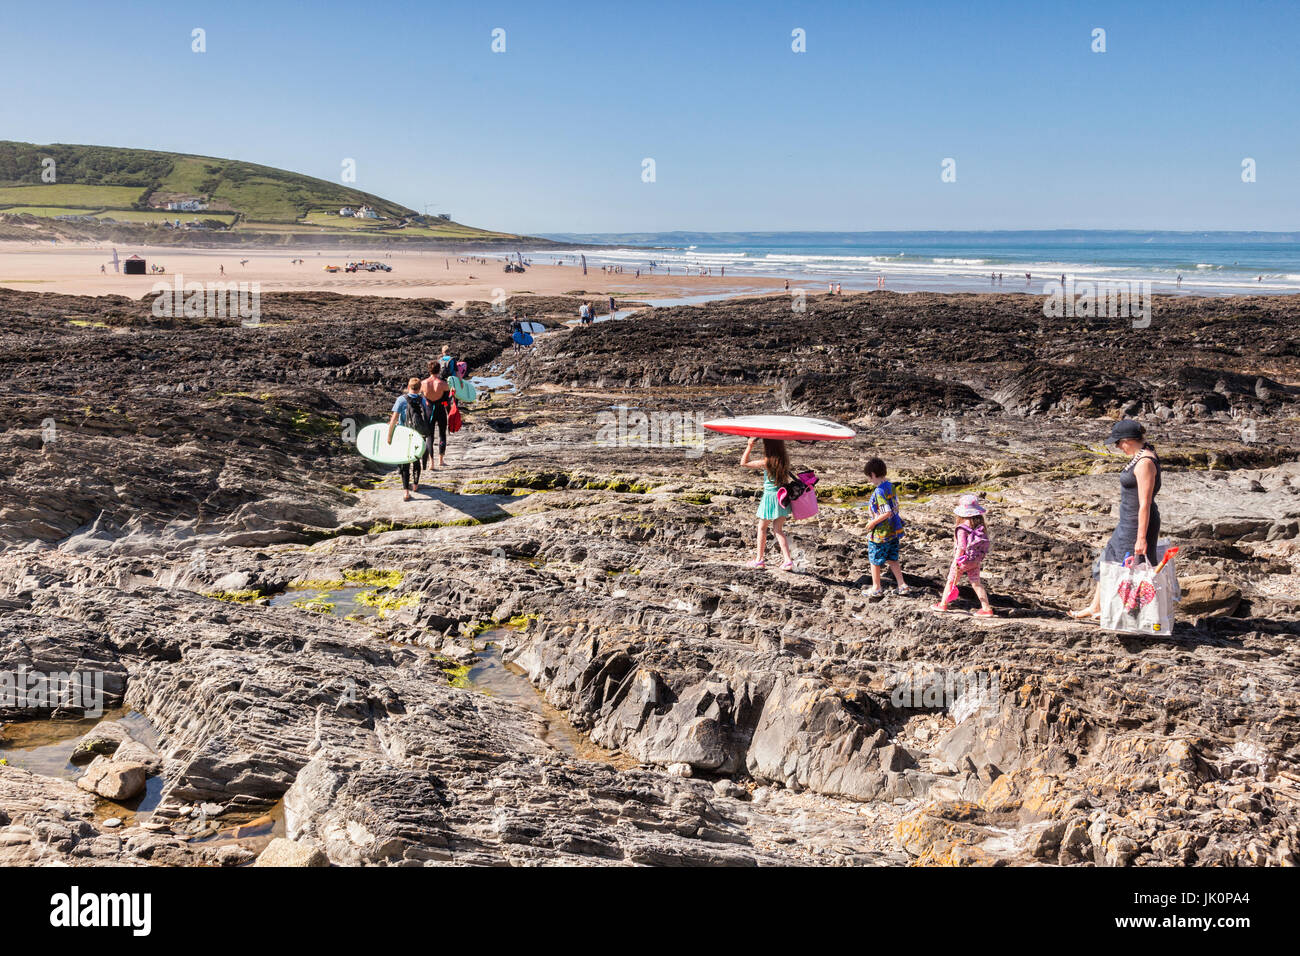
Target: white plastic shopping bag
point(1135, 599)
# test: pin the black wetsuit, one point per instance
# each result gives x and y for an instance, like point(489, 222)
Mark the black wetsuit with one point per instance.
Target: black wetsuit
point(438, 409)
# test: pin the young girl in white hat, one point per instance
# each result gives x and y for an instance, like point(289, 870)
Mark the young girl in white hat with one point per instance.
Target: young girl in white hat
point(970, 545)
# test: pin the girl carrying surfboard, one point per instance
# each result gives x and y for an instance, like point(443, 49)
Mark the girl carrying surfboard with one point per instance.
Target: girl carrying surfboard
point(776, 472)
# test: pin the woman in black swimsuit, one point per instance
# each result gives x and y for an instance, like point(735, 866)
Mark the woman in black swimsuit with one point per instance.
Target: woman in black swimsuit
point(1138, 529)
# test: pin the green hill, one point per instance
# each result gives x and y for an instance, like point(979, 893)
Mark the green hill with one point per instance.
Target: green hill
point(105, 187)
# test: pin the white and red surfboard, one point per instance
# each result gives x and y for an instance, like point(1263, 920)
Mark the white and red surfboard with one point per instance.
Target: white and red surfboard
point(787, 427)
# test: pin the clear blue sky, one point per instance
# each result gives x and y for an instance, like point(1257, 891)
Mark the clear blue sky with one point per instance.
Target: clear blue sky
point(746, 135)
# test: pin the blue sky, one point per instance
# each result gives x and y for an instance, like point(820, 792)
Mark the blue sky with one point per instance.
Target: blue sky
point(550, 135)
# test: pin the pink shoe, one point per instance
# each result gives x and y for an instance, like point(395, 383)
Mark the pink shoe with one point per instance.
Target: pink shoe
point(788, 566)
point(939, 607)
point(985, 612)
point(757, 564)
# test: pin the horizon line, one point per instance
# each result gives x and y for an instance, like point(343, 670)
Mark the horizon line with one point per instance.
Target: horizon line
point(876, 232)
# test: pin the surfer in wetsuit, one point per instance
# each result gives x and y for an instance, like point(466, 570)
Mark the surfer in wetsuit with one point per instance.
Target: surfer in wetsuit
point(408, 406)
point(437, 393)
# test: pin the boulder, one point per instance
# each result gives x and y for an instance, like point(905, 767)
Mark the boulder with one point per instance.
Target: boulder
point(815, 737)
point(113, 779)
point(234, 581)
point(1208, 595)
point(132, 751)
point(234, 855)
point(282, 852)
point(101, 740)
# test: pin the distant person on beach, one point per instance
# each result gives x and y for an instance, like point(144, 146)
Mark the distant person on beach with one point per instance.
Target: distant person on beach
point(103, 269)
point(970, 546)
point(437, 393)
point(1138, 529)
point(884, 530)
point(612, 307)
point(410, 410)
point(776, 473)
point(222, 270)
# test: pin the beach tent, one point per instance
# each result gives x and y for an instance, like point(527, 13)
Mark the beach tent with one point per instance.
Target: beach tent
point(133, 266)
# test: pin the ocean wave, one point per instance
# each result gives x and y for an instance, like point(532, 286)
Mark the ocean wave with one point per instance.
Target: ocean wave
point(910, 271)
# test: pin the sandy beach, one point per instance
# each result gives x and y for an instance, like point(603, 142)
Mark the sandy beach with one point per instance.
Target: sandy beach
point(457, 276)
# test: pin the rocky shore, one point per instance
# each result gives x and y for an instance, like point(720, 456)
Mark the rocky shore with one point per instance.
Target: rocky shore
point(180, 512)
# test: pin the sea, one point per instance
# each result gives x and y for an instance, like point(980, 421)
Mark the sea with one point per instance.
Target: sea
point(1191, 263)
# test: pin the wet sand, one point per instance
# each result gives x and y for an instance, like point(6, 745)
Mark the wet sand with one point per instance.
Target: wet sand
point(74, 269)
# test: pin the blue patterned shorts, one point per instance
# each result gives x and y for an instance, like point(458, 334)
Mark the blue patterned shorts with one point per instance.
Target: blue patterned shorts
point(881, 553)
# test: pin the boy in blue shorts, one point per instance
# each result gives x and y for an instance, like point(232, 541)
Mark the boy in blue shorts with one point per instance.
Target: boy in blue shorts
point(884, 530)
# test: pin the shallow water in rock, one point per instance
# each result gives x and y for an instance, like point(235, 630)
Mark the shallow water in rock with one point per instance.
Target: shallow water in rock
point(492, 675)
point(44, 746)
point(341, 602)
point(252, 834)
point(496, 383)
point(136, 810)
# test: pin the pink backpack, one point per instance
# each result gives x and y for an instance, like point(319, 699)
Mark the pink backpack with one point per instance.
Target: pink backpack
point(977, 546)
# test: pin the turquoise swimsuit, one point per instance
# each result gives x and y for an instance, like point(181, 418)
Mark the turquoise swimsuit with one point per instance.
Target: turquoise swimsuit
point(768, 509)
